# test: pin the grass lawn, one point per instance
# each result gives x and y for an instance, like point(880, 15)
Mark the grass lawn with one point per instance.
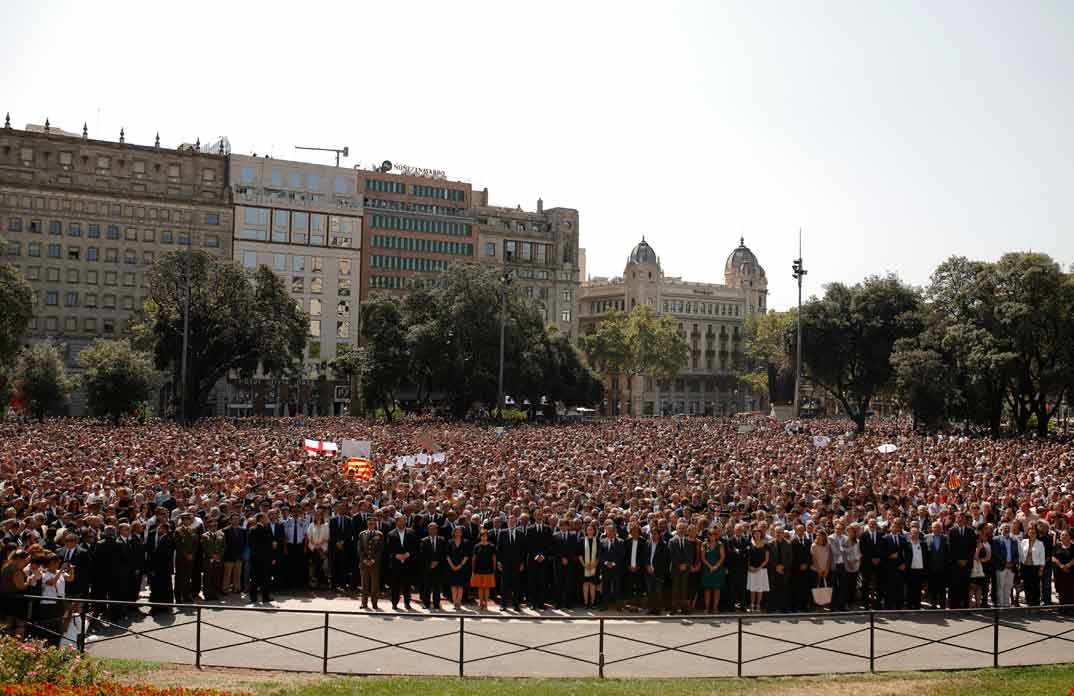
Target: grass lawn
point(1021, 681)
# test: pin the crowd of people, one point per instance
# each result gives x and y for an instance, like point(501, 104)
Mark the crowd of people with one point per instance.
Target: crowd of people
point(658, 515)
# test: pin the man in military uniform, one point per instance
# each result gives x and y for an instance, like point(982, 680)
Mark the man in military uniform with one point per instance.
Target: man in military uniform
point(186, 550)
point(212, 560)
point(370, 558)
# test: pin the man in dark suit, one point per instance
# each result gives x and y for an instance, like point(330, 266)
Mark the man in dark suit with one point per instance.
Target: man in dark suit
point(341, 539)
point(736, 561)
point(780, 567)
point(937, 566)
point(683, 555)
point(610, 558)
point(402, 547)
point(433, 560)
point(564, 570)
point(657, 564)
point(510, 561)
point(962, 541)
point(636, 551)
point(538, 564)
point(870, 564)
point(262, 558)
point(894, 566)
point(801, 579)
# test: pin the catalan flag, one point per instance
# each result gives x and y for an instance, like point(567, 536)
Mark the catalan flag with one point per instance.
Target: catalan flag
point(358, 469)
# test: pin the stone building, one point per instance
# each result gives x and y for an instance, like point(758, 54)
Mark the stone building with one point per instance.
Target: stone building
point(85, 219)
point(304, 222)
point(710, 315)
point(540, 249)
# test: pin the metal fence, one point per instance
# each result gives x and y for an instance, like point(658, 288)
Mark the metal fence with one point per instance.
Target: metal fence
point(361, 642)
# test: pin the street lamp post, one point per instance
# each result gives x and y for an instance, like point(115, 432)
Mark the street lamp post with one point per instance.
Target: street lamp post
point(798, 272)
point(506, 283)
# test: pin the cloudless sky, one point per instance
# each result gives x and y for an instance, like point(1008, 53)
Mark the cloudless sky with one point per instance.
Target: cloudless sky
point(894, 134)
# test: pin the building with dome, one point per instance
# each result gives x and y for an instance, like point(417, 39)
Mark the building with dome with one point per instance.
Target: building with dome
point(710, 315)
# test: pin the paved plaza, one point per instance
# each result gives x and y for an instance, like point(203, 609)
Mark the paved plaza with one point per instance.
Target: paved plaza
point(566, 644)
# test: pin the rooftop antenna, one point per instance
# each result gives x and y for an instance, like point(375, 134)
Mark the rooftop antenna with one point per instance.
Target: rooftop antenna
point(346, 151)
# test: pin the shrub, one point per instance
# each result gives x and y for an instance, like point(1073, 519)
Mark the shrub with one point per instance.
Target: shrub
point(32, 661)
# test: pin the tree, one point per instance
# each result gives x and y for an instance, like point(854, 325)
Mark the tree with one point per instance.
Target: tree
point(384, 361)
point(848, 337)
point(41, 379)
point(16, 310)
point(922, 380)
point(237, 322)
point(641, 343)
point(769, 343)
point(117, 378)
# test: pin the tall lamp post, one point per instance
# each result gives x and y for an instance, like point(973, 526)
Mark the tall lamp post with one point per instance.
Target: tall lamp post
point(505, 284)
point(799, 273)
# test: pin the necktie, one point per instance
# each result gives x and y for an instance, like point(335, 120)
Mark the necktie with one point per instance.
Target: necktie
point(935, 543)
point(296, 533)
point(434, 546)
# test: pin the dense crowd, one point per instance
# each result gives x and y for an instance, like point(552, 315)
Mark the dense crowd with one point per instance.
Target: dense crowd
point(657, 515)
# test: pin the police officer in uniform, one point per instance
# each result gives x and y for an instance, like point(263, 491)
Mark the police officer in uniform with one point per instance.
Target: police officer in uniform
point(212, 560)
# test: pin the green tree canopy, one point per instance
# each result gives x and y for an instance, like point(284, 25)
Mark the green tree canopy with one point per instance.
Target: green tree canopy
point(41, 379)
point(16, 310)
point(237, 322)
point(117, 378)
point(848, 337)
point(769, 352)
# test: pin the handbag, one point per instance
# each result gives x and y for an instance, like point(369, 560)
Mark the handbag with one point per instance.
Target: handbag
point(822, 595)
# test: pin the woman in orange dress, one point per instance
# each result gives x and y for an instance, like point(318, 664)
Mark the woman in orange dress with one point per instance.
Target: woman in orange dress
point(484, 565)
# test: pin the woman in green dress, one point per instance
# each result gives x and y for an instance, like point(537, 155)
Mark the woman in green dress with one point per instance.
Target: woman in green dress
point(713, 572)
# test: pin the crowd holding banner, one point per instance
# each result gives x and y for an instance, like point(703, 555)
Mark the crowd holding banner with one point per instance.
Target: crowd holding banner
point(657, 515)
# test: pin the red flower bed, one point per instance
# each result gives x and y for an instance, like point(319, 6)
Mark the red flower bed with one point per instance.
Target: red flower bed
point(105, 689)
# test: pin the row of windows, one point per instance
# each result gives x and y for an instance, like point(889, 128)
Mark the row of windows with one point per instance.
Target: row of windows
point(112, 232)
point(343, 307)
point(298, 228)
point(434, 246)
point(310, 181)
point(396, 222)
point(102, 208)
point(528, 252)
point(298, 286)
point(381, 186)
point(716, 309)
point(402, 282)
point(438, 192)
point(430, 208)
point(602, 306)
point(103, 164)
point(283, 262)
point(72, 298)
point(52, 275)
point(70, 324)
point(408, 263)
point(343, 329)
point(74, 253)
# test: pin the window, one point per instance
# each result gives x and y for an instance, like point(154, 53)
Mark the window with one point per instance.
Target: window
point(74, 230)
point(174, 171)
point(248, 176)
point(343, 329)
point(509, 250)
point(280, 224)
point(108, 325)
point(344, 267)
point(110, 277)
point(50, 323)
point(14, 224)
point(316, 264)
point(313, 182)
point(344, 287)
point(297, 284)
point(255, 216)
point(277, 178)
point(91, 253)
point(341, 185)
point(33, 273)
point(109, 301)
point(130, 257)
point(89, 325)
point(52, 298)
point(129, 280)
point(54, 251)
point(299, 227)
point(73, 253)
point(279, 262)
point(315, 327)
point(93, 231)
point(55, 227)
point(35, 226)
point(298, 263)
point(138, 166)
point(72, 275)
point(212, 241)
point(315, 350)
point(212, 219)
point(147, 258)
point(294, 179)
point(112, 232)
point(91, 277)
point(104, 165)
point(70, 299)
point(111, 255)
point(317, 229)
point(126, 302)
point(148, 235)
point(208, 176)
point(52, 275)
point(490, 248)
point(316, 286)
point(343, 308)
point(254, 235)
point(249, 259)
point(566, 295)
point(130, 234)
point(91, 299)
point(14, 248)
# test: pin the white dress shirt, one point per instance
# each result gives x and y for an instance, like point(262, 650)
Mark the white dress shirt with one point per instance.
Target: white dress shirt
point(917, 562)
point(1038, 553)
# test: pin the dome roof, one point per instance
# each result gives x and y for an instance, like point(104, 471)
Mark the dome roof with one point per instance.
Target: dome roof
point(742, 260)
point(643, 253)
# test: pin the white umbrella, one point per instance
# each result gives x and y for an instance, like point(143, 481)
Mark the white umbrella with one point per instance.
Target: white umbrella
point(886, 448)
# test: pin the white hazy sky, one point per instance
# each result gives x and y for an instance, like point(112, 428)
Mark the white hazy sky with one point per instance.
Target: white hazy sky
point(894, 134)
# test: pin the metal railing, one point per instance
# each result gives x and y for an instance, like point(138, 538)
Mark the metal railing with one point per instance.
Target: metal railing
point(455, 632)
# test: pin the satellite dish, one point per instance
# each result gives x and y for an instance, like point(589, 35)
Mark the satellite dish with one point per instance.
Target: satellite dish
point(386, 166)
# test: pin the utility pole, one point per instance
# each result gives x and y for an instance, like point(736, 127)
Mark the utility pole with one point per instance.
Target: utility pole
point(506, 283)
point(799, 273)
point(345, 151)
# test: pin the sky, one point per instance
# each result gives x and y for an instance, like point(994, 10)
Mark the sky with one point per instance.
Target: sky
point(894, 134)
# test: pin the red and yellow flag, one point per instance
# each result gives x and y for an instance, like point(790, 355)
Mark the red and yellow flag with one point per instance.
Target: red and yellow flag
point(358, 469)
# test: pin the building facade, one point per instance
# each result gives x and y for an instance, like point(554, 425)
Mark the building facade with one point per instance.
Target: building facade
point(539, 249)
point(710, 315)
point(304, 222)
point(85, 219)
point(415, 225)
